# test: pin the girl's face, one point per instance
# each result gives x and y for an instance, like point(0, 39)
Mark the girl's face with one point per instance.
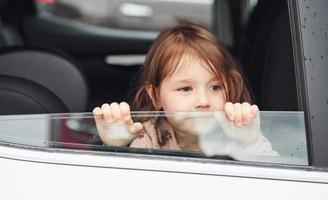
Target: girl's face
point(192, 87)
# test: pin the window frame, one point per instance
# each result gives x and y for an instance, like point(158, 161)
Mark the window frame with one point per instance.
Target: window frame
point(310, 101)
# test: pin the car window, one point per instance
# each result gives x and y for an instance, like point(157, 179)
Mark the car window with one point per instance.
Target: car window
point(118, 35)
point(150, 15)
point(130, 14)
point(282, 135)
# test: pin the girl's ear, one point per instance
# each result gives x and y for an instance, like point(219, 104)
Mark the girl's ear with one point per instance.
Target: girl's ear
point(153, 94)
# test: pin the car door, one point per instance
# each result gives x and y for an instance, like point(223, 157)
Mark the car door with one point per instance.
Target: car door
point(44, 162)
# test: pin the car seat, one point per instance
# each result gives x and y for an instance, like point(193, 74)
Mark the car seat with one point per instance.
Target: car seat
point(21, 96)
point(278, 91)
point(267, 57)
point(48, 69)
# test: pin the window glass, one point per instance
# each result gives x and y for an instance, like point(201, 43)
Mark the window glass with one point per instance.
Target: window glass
point(280, 136)
point(130, 14)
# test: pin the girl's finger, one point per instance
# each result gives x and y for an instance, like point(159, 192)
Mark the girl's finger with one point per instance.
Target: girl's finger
point(97, 113)
point(125, 111)
point(238, 114)
point(107, 113)
point(229, 110)
point(116, 112)
point(135, 128)
point(247, 115)
point(254, 110)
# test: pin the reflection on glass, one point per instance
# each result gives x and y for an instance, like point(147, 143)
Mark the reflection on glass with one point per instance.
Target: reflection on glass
point(274, 137)
point(131, 15)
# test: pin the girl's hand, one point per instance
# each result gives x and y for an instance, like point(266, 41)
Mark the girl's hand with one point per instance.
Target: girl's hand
point(115, 125)
point(241, 122)
point(241, 114)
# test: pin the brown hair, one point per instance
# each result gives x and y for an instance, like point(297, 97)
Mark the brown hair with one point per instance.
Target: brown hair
point(166, 52)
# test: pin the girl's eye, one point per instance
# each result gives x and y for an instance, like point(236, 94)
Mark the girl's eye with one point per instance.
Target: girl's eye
point(215, 87)
point(185, 89)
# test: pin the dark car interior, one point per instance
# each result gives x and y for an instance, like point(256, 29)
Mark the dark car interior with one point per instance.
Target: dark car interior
point(49, 69)
point(49, 66)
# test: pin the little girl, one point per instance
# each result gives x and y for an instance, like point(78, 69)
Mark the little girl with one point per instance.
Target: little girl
point(186, 69)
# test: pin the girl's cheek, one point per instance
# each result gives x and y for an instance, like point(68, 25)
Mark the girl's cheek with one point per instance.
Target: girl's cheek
point(177, 104)
point(218, 106)
point(223, 96)
point(219, 102)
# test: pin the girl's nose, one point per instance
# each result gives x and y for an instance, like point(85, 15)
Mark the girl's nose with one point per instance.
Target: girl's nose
point(202, 102)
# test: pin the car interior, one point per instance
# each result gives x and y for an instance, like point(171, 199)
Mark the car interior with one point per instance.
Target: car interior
point(46, 69)
point(51, 65)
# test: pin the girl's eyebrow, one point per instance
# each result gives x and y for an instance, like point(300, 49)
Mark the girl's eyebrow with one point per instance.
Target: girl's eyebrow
point(190, 80)
point(213, 79)
point(187, 80)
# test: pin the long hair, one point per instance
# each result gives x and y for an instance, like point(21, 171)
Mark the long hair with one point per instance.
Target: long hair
point(168, 49)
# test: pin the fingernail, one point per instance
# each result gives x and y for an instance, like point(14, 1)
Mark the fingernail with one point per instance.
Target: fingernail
point(110, 120)
point(127, 117)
